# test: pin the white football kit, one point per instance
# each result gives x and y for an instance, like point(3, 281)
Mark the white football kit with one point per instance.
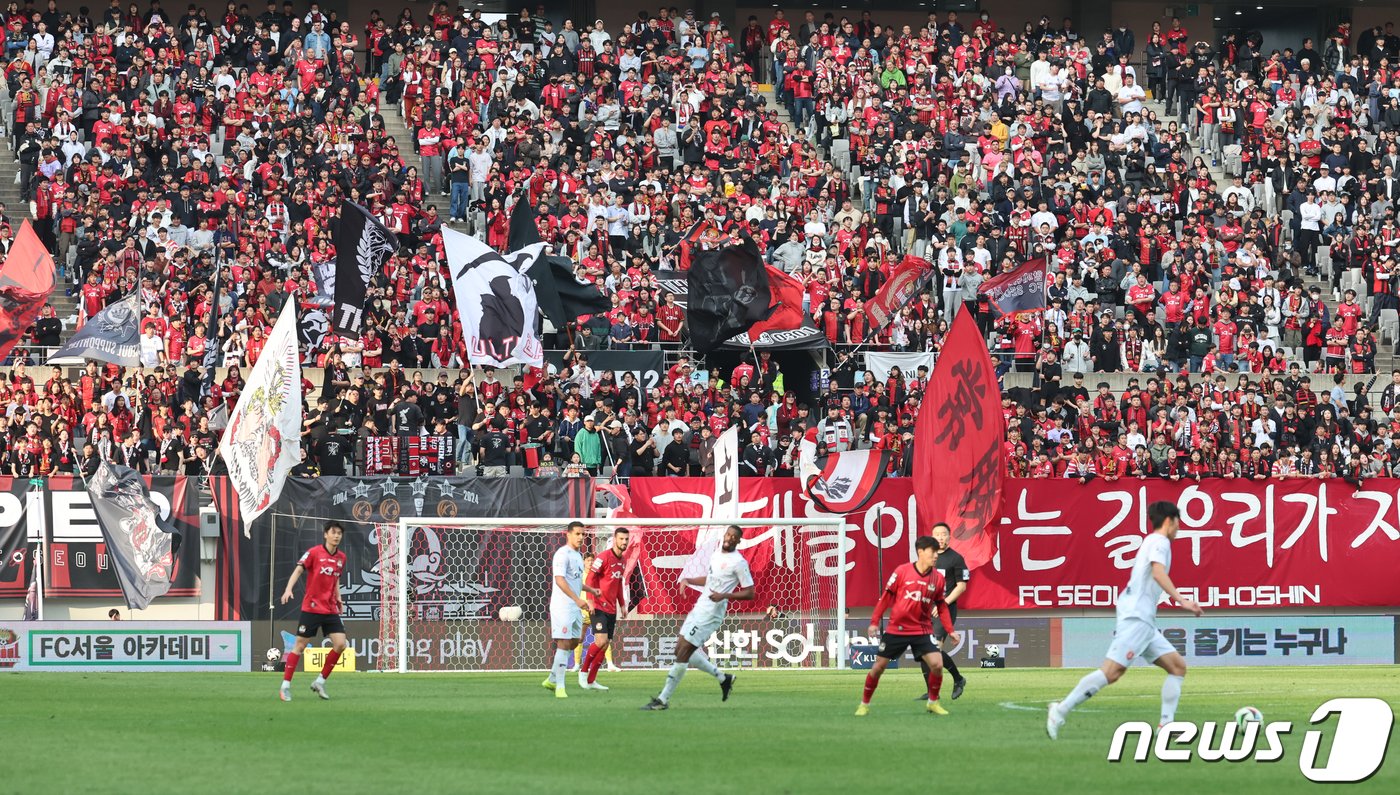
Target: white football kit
point(728, 572)
point(1136, 635)
point(565, 617)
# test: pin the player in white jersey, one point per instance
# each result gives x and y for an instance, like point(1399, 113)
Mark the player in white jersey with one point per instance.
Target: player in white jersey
point(728, 578)
point(566, 606)
point(1136, 634)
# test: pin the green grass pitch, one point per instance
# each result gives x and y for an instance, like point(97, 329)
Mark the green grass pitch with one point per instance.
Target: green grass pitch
point(781, 732)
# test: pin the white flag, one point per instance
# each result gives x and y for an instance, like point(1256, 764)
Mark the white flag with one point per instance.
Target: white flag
point(496, 301)
point(724, 506)
point(726, 500)
point(263, 438)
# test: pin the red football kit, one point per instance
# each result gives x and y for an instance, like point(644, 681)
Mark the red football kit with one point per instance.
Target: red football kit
point(323, 571)
point(606, 575)
point(910, 597)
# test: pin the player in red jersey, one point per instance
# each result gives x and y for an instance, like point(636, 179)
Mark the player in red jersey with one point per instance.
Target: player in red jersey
point(320, 607)
point(606, 575)
point(911, 595)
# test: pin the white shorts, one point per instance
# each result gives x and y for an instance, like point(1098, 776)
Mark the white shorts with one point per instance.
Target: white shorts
point(1134, 640)
point(698, 627)
point(565, 622)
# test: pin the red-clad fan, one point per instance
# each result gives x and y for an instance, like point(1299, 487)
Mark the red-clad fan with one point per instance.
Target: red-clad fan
point(606, 575)
point(320, 607)
point(913, 592)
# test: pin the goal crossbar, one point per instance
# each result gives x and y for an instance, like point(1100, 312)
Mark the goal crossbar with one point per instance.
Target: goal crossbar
point(552, 525)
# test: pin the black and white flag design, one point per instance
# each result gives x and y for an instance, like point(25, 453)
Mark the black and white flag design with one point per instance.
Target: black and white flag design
point(140, 544)
point(361, 248)
point(496, 301)
point(112, 335)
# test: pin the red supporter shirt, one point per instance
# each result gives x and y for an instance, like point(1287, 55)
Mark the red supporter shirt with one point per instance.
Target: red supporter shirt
point(606, 575)
point(911, 597)
point(323, 571)
point(1226, 331)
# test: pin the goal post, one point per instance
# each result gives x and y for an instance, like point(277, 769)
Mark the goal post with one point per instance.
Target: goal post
point(473, 594)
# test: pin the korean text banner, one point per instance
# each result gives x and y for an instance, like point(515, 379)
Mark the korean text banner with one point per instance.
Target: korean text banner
point(1285, 544)
point(1217, 640)
point(77, 646)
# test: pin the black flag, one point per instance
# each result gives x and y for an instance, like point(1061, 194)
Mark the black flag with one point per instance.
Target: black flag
point(111, 335)
point(14, 546)
point(141, 546)
point(361, 248)
point(728, 293)
point(562, 297)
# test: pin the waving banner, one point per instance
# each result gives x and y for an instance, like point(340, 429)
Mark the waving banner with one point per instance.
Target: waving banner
point(142, 547)
point(847, 481)
point(1021, 290)
point(904, 284)
point(263, 439)
point(959, 457)
point(1243, 544)
point(26, 282)
point(362, 245)
point(111, 335)
point(496, 301)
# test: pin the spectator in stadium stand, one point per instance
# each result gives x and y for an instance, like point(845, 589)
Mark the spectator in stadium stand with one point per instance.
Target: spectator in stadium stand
point(202, 162)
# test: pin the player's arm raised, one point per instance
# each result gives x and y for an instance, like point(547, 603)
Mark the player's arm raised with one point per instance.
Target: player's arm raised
point(1159, 573)
point(296, 575)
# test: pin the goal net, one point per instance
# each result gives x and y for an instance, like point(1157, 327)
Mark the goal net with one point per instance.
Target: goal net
point(474, 594)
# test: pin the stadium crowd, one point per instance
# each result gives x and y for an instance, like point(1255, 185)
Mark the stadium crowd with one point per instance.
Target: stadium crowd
point(201, 160)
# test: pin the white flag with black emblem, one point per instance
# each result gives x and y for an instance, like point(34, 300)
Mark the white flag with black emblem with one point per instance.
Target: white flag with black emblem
point(496, 301)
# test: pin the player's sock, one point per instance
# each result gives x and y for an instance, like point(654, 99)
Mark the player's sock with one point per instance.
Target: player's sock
point(1171, 696)
point(1093, 682)
point(586, 663)
point(673, 679)
point(700, 662)
point(950, 666)
point(870, 684)
point(935, 685)
point(597, 664)
point(289, 665)
point(331, 660)
point(561, 666)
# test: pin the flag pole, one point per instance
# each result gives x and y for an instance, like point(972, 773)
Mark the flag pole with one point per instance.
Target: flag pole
point(43, 550)
point(272, 582)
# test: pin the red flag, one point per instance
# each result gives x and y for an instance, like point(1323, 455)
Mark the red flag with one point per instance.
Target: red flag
point(26, 282)
point(959, 457)
point(908, 277)
point(786, 303)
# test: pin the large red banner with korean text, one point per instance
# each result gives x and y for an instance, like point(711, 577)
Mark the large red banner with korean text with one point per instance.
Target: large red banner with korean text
point(1243, 544)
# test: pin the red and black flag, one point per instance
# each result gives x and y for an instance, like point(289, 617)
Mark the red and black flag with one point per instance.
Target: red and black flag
point(908, 278)
point(786, 297)
point(26, 282)
point(728, 293)
point(959, 458)
point(1021, 290)
point(847, 481)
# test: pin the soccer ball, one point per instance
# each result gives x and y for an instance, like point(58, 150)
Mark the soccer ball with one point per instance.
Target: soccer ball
point(511, 613)
point(274, 654)
point(1248, 714)
point(993, 650)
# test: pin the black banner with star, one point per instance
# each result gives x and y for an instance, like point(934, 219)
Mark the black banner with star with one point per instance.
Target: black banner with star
point(265, 553)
